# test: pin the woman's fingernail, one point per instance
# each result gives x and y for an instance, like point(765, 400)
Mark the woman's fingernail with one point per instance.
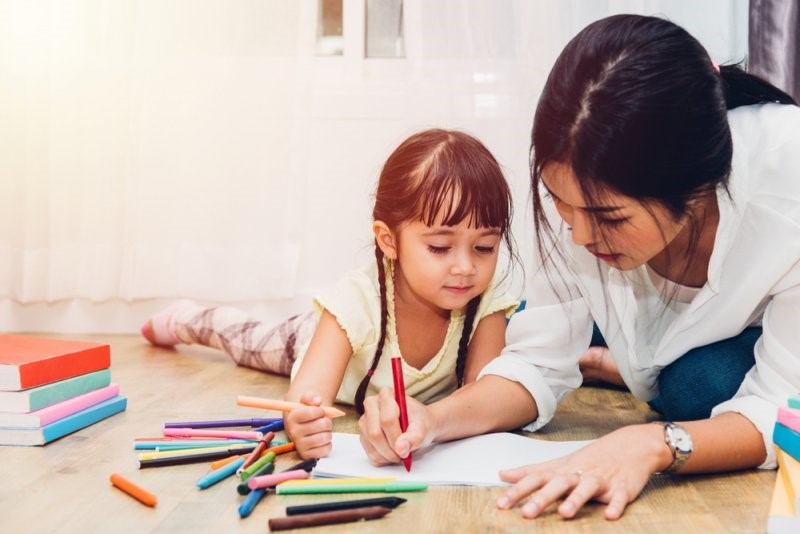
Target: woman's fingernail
point(502, 502)
point(316, 400)
point(567, 507)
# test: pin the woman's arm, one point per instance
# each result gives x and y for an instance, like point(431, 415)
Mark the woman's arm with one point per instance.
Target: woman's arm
point(615, 468)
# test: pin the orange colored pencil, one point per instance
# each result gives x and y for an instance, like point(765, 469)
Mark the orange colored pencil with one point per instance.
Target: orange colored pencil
point(229, 459)
point(139, 493)
point(279, 449)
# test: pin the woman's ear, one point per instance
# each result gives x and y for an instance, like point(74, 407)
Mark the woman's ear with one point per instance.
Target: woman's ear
point(385, 239)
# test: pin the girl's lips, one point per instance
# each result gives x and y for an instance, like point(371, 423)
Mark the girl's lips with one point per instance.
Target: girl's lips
point(459, 290)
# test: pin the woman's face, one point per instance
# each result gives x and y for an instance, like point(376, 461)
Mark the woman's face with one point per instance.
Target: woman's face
point(619, 230)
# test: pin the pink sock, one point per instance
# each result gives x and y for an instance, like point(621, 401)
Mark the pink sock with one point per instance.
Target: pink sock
point(160, 329)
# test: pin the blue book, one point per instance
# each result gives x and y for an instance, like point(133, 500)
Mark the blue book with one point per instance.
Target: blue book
point(62, 427)
point(787, 439)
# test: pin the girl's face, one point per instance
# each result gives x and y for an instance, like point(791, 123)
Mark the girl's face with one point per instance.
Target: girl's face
point(443, 267)
point(621, 231)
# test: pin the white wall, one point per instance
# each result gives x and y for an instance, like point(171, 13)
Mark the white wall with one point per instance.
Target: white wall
point(213, 156)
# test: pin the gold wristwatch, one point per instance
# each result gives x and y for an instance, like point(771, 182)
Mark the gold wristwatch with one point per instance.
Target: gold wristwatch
point(679, 440)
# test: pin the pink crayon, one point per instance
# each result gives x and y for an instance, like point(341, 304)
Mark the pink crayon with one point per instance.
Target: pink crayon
point(211, 433)
point(266, 481)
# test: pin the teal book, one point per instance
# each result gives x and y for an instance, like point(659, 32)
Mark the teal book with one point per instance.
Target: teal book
point(794, 401)
point(787, 439)
point(33, 399)
point(62, 427)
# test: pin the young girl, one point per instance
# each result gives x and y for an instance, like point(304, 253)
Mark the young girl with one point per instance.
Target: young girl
point(442, 211)
point(667, 201)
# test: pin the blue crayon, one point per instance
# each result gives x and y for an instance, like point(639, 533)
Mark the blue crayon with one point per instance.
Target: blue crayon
point(271, 427)
point(251, 501)
point(209, 479)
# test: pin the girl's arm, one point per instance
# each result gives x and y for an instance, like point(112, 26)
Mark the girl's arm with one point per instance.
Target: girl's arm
point(316, 383)
point(486, 343)
point(324, 363)
point(490, 404)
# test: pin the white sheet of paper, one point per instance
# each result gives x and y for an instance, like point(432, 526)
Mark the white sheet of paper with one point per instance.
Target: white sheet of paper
point(471, 461)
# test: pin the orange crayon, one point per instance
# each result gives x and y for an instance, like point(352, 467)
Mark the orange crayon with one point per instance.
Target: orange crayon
point(133, 490)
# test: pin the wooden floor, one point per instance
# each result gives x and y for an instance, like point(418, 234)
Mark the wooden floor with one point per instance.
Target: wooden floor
point(63, 487)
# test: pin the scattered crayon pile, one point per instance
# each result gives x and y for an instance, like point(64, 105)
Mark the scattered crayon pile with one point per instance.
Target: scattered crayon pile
point(250, 455)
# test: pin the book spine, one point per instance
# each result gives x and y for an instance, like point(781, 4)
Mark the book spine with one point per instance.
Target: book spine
point(83, 418)
point(76, 363)
point(43, 396)
point(789, 417)
point(58, 411)
point(787, 439)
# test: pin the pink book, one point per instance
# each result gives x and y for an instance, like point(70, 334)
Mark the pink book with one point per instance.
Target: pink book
point(789, 417)
point(57, 411)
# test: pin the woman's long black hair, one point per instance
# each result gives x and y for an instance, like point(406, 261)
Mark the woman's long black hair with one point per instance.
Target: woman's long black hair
point(635, 106)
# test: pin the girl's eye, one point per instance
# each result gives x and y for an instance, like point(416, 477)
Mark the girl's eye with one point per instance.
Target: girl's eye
point(438, 250)
point(612, 223)
point(485, 250)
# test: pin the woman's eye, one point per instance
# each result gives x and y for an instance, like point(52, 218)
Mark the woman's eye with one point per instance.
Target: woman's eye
point(612, 223)
point(438, 250)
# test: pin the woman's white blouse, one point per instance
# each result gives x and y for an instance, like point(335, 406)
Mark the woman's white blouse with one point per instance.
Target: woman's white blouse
point(753, 278)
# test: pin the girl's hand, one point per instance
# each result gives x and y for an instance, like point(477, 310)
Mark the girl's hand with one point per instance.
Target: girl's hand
point(309, 429)
point(612, 470)
point(380, 434)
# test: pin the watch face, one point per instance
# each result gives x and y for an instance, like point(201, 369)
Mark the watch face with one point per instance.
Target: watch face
point(681, 439)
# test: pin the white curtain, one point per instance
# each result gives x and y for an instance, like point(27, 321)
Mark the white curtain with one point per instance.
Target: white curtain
point(154, 149)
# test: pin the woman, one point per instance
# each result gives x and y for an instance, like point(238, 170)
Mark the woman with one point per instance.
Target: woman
point(676, 229)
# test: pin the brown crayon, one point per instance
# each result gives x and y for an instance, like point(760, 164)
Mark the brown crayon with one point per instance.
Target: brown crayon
point(328, 518)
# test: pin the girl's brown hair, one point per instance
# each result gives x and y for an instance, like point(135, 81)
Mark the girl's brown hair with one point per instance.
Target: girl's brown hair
point(446, 176)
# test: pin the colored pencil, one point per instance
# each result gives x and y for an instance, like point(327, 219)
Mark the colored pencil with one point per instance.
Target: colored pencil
point(282, 406)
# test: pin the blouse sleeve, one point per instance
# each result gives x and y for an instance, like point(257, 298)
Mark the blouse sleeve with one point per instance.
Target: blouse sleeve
point(545, 340)
point(355, 303)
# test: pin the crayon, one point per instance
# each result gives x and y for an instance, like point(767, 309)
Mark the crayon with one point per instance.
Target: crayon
point(209, 479)
point(400, 397)
point(254, 422)
point(296, 489)
point(388, 502)
point(251, 501)
point(137, 492)
point(328, 518)
point(282, 406)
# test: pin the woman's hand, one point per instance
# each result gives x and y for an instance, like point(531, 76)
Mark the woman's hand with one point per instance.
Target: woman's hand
point(380, 434)
point(309, 429)
point(613, 470)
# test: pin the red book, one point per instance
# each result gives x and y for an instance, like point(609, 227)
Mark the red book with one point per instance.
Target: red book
point(27, 361)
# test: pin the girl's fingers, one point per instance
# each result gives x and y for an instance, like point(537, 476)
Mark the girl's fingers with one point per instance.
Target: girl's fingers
point(373, 437)
point(312, 399)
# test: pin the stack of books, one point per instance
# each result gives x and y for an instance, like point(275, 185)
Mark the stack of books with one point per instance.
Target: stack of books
point(52, 387)
point(784, 513)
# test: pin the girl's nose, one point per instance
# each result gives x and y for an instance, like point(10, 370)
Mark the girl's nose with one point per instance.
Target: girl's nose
point(463, 264)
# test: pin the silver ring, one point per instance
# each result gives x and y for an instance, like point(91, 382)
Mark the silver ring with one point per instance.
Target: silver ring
point(579, 473)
